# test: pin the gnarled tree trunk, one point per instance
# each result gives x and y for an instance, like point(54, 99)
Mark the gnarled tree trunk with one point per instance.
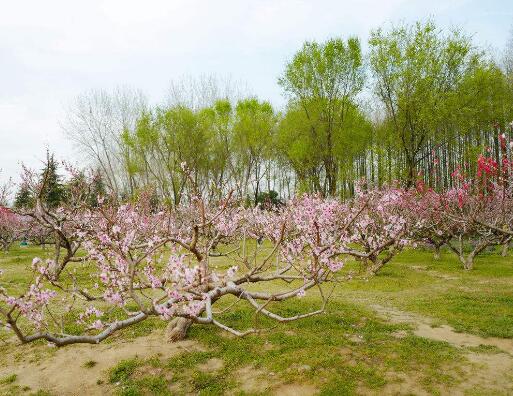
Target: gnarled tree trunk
point(436, 254)
point(468, 262)
point(505, 247)
point(177, 329)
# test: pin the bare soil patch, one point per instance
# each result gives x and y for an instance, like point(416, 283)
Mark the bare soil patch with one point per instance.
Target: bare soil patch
point(211, 365)
point(67, 371)
point(486, 373)
point(426, 329)
point(295, 390)
point(253, 380)
point(433, 273)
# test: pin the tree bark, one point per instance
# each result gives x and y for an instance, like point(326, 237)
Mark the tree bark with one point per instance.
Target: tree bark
point(177, 329)
point(468, 263)
point(436, 254)
point(375, 266)
point(505, 248)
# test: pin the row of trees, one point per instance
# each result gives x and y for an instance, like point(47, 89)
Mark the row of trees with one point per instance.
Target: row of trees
point(419, 97)
point(146, 261)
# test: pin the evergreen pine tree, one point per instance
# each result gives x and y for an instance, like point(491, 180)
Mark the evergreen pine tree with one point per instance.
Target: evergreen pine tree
point(54, 192)
point(23, 198)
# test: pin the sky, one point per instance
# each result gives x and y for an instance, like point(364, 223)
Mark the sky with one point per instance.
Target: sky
point(51, 51)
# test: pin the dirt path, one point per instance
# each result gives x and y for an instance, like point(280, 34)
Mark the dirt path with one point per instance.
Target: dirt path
point(487, 373)
point(66, 373)
point(424, 328)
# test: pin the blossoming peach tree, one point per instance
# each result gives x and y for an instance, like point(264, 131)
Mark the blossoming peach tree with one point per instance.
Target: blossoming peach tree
point(59, 223)
point(12, 227)
point(485, 203)
point(124, 264)
point(384, 226)
point(178, 263)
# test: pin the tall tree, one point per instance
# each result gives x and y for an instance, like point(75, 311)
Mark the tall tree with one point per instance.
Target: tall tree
point(322, 82)
point(253, 136)
point(53, 192)
point(418, 74)
point(507, 58)
point(94, 123)
point(23, 197)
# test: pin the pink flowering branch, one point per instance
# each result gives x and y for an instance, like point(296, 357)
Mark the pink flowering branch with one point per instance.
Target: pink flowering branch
point(159, 264)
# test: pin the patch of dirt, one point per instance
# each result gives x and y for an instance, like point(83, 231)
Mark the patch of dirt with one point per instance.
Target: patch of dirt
point(348, 357)
point(148, 371)
point(433, 273)
point(400, 334)
point(356, 338)
point(492, 372)
point(295, 390)
point(65, 373)
point(296, 369)
point(419, 267)
point(269, 347)
point(252, 380)
point(447, 333)
point(399, 384)
point(485, 373)
point(424, 328)
point(396, 316)
point(440, 275)
point(211, 365)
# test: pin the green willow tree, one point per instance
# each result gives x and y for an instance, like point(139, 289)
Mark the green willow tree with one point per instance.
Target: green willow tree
point(253, 132)
point(162, 141)
point(435, 91)
point(224, 148)
point(218, 119)
point(322, 82)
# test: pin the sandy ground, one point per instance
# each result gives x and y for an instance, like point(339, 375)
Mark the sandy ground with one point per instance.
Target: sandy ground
point(65, 373)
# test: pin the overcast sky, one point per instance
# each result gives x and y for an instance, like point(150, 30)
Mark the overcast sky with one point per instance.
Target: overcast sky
point(51, 51)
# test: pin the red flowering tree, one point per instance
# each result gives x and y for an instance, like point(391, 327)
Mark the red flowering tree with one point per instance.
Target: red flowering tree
point(475, 213)
point(494, 189)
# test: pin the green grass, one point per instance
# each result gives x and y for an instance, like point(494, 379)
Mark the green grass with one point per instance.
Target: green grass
point(90, 364)
point(8, 380)
point(347, 350)
point(325, 344)
point(123, 371)
point(478, 301)
point(487, 313)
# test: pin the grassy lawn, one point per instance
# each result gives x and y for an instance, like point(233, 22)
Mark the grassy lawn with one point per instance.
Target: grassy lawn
point(479, 301)
point(348, 350)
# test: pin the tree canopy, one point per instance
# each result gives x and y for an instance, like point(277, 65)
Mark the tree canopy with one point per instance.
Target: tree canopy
point(420, 97)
